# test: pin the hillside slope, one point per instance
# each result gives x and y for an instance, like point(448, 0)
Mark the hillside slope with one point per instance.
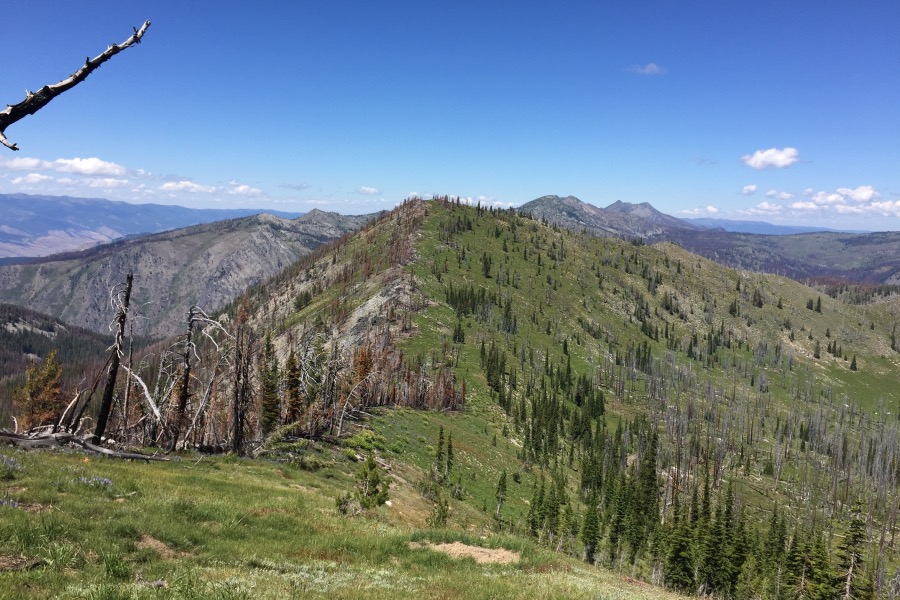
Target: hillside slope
point(207, 265)
point(871, 258)
point(624, 378)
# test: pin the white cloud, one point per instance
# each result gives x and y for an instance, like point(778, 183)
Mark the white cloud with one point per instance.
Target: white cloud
point(107, 183)
point(81, 166)
point(186, 186)
point(864, 193)
point(30, 179)
point(805, 205)
point(24, 164)
point(823, 198)
point(240, 189)
point(299, 187)
point(702, 210)
point(648, 69)
point(368, 191)
point(317, 202)
point(764, 208)
point(779, 195)
point(886, 208)
point(773, 157)
point(749, 190)
point(87, 166)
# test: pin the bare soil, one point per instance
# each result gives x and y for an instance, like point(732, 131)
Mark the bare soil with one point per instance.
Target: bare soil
point(481, 555)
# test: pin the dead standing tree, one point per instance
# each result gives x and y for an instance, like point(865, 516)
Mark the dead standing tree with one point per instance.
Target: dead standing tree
point(34, 101)
point(115, 357)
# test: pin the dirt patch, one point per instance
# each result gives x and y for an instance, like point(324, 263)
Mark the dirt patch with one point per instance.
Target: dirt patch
point(481, 555)
point(18, 563)
point(148, 542)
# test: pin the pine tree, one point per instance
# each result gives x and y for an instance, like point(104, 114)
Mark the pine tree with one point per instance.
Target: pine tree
point(850, 580)
point(590, 532)
point(293, 392)
point(448, 466)
point(39, 399)
point(679, 569)
point(269, 376)
point(371, 487)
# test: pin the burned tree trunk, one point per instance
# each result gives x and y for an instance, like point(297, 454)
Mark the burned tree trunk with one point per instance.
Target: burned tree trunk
point(184, 391)
point(34, 101)
point(106, 402)
point(243, 392)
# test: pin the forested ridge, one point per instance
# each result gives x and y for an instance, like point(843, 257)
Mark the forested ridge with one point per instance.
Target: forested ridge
point(696, 427)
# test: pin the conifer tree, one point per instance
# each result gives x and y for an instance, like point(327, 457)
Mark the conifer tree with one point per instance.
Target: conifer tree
point(850, 579)
point(38, 400)
point(448, 466)
point(590, 532)
point(293, 393)
point(270, 405)
point(371, 487)
point(678, 569)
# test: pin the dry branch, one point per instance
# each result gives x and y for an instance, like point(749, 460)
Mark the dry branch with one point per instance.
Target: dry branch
point(34, 101)
point(55, 440)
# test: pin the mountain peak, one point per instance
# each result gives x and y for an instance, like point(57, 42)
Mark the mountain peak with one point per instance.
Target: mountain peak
point(619, 219)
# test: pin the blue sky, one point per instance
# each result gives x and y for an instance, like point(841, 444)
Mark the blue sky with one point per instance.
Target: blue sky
point(777, 111)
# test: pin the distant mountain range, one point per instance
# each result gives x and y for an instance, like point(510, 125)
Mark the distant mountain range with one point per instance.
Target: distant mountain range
point(619, 219)
point(818, 254)
point(207, 265)
point(761, 227)
point(44, 225)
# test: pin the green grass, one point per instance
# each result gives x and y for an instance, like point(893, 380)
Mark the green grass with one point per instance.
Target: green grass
point(227, 528)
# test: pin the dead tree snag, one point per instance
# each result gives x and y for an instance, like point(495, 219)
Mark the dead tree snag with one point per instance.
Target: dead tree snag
point(34, 101)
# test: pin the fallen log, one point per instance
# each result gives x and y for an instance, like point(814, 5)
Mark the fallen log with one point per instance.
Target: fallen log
point(56, 440)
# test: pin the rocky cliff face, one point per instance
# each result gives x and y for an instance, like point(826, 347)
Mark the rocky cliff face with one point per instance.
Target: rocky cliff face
point(207, 265)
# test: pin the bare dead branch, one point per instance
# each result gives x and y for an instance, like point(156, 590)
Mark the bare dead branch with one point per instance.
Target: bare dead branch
point(34, 101)
point(54, 440)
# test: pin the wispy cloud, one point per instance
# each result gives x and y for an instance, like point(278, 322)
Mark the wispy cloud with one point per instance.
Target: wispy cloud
point(241, 189)
point(648, 69)
point(31, 179)
point(297, 187)
point(88, 166)
point(749, 190)
point(861, 200)
point(186, 186)
point(368, 191)
point(23, 164)
point(106, 183)
point(700, 210)
point(779, 195)
point(81, 166)
point(778, 158)
point(763, 209)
